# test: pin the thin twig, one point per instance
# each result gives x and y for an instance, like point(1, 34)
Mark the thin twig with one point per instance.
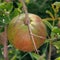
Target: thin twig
point(32, 39)
point(38, 36)
point(27, 21)
point(50, 19)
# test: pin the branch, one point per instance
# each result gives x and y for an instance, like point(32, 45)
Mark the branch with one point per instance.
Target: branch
point(4, 39)
point(49, 56)
point(27, 22)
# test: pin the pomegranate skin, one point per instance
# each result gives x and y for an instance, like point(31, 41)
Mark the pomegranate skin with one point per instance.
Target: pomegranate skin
point(18, 33)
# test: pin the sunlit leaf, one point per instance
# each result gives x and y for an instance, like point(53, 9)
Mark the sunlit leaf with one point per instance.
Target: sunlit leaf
point(57, 58)
point(38, 57)
point(48, 24)
point(56, 30)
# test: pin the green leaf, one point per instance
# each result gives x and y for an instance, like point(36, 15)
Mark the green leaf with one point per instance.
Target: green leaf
point(48, 24)
point(2, 29)
point(14, 13)
point(14, 57)
point(6, 6)
point(56, 30)
point(38, 57)
point(19, 5)
point(57, 58)
point(56, 4)
point(57, 44)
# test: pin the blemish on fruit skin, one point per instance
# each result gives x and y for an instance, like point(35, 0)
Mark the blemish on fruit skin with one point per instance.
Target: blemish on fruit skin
point(19, 33)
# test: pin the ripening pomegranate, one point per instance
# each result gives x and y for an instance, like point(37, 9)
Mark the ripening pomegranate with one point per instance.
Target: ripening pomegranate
point(18, 33)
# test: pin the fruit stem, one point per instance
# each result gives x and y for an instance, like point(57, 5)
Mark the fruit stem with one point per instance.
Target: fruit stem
point(27, 22)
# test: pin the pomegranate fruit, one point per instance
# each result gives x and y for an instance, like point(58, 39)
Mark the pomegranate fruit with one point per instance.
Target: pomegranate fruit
point(18, 33)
